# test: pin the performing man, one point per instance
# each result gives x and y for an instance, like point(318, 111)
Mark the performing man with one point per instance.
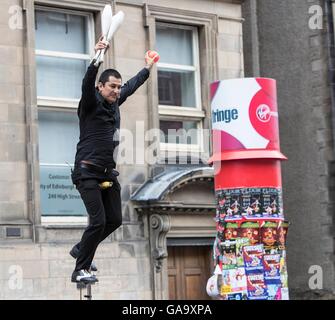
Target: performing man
point(94, 171)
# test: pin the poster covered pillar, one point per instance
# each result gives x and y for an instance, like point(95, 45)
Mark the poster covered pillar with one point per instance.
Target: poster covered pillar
point(250, 248)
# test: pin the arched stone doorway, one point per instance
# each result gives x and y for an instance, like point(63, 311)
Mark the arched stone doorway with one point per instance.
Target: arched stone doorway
point(179, 207)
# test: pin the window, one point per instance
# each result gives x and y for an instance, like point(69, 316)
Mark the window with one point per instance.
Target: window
point(179, 96)
point(63, 49)
point(64, 41)
point(58, 136)
point(172, 131)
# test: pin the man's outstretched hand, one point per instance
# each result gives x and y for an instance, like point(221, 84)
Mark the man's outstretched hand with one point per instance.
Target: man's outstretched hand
point(151, 57)
point(101, 44)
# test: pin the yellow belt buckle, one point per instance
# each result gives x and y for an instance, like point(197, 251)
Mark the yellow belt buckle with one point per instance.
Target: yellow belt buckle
point(106, 184)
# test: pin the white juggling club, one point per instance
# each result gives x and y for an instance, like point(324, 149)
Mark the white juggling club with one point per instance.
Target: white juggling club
point(116, 22)
point(106, 20)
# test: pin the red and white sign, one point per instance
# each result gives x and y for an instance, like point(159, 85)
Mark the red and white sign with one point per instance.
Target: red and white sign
point(244, 115)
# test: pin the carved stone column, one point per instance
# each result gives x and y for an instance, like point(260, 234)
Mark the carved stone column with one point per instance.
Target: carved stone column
point(159, 227)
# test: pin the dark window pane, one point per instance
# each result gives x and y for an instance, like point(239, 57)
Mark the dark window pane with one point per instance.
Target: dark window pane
point(169, 88)
point(179, 132)
point(176, 88)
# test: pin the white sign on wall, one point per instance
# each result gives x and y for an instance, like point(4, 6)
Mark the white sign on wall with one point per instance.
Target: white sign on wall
point(59, 197)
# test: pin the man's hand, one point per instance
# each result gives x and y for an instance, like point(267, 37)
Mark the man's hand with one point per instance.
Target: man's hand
point(101, 44)
point(151, 57)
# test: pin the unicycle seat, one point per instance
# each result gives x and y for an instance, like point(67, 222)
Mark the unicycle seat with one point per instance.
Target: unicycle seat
point(85, 284)
point(83, 276)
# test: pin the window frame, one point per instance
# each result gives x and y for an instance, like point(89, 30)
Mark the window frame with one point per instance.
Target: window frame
point(67, 105)
point(196, 113)
point(46, 101)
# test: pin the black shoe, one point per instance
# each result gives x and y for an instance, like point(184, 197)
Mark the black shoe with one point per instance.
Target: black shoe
point(74, 253)
point(83, 276)
point(93, 267)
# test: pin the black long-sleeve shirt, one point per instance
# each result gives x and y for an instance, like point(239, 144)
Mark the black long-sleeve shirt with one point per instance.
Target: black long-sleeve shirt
point(99, 120)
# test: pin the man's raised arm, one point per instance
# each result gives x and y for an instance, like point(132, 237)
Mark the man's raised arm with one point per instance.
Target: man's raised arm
point(151, 57)
point(87, 101)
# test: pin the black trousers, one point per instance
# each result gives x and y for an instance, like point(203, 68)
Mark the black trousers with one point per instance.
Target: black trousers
point(105, 216)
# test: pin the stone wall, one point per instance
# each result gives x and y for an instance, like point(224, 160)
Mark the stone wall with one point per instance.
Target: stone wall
point(298, 58)
point(43, 271)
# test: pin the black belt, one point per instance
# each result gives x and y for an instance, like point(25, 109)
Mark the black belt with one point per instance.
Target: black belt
point(99, 169)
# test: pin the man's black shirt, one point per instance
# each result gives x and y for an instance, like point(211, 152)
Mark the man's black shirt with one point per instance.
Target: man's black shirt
point(99, 121)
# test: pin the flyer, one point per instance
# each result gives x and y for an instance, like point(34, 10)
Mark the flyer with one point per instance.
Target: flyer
point(253, 258)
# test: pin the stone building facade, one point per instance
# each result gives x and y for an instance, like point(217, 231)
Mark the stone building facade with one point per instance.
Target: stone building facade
point(38, 117)
point(163, 249)
point(293, 42)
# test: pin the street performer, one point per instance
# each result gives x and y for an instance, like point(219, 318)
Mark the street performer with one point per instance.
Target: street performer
point(94, 171)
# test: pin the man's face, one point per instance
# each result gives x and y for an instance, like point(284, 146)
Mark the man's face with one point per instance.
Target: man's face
point(111, 89)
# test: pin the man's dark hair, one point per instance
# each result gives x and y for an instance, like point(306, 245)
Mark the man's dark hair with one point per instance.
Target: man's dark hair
point(104, 77)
